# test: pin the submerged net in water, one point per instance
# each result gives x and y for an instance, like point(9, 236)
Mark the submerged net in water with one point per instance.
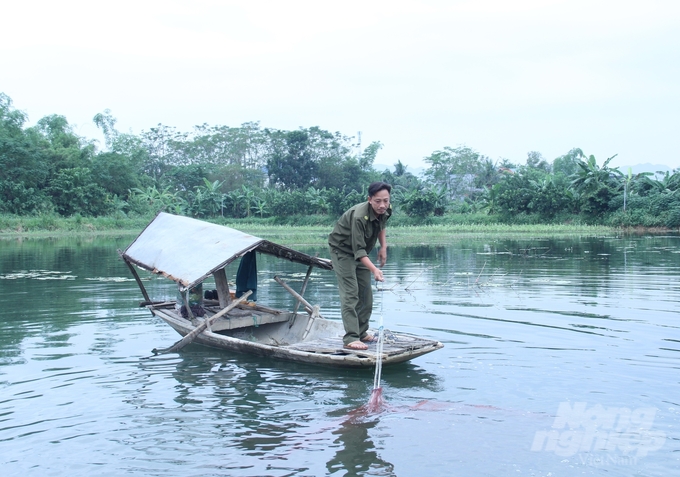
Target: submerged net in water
point(376, 403)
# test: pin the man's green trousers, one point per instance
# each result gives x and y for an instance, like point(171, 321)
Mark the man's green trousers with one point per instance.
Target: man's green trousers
point(356, 295)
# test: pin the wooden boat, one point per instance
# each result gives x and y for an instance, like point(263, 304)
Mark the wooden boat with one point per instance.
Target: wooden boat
point(189, 251)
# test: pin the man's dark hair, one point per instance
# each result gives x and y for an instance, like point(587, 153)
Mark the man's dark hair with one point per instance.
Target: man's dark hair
point(376, 187)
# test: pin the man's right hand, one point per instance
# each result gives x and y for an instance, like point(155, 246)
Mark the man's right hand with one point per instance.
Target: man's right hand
point(377, 273)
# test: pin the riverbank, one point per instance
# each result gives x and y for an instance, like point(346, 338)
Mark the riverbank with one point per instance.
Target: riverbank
point(55, 227)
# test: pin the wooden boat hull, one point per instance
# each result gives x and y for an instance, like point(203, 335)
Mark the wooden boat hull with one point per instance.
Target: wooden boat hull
point(189, 251)
point(305, 339)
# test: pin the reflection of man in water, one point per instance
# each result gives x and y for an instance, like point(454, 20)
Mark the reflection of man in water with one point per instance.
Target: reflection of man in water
point(357, 454)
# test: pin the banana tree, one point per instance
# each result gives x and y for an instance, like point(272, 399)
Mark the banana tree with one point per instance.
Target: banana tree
point(246, 198)
point(317, 199)
point(596, 185)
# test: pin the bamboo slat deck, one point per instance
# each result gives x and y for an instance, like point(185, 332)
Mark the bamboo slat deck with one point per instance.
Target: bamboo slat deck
point(391, 346)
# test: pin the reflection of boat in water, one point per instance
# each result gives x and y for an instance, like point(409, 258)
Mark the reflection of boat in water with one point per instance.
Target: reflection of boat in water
point(189, 251)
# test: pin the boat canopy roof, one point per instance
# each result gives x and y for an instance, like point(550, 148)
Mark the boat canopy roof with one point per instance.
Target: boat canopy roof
point(187, 250)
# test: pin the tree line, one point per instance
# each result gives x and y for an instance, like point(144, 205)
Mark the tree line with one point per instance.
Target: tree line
point(251, 171)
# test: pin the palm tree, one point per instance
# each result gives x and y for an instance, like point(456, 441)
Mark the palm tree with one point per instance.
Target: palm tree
point(399, 169)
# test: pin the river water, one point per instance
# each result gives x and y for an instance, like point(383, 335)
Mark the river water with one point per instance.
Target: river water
point(561, 357)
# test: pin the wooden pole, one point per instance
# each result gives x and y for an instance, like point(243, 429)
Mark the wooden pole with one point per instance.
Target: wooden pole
point(308, 308)
point(186, 305)
point(304, 287)
point(222, 285)
point(200, 328)
point(302, 292)
point(137, 279)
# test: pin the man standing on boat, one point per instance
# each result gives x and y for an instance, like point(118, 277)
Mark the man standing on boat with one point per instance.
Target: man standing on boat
point(351, 240)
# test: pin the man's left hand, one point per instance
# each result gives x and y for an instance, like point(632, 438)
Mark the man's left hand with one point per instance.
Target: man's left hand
point(382, 256)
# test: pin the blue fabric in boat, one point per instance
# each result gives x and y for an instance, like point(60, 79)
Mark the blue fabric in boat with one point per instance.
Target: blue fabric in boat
point(246, 276)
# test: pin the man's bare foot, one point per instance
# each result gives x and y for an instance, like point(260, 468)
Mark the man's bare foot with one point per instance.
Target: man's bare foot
point(357, 345)
point(369, 338)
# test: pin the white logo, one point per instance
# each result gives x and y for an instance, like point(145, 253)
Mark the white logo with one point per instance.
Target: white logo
point(578, 428)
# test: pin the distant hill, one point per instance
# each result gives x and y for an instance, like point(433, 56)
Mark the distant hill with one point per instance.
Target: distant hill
point(636, 169)
point(647, 167)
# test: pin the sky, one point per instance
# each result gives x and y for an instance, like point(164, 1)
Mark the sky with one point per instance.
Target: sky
point(501, 77)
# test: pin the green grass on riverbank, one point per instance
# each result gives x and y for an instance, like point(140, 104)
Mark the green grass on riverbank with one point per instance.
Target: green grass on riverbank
point(53, 226)
point(414, 234)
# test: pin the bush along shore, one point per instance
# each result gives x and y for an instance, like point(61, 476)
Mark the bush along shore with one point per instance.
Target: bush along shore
point(302, 230)
point(53, 179)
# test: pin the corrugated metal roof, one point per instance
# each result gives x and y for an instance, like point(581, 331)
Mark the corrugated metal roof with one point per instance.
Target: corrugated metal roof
point(188, 250)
